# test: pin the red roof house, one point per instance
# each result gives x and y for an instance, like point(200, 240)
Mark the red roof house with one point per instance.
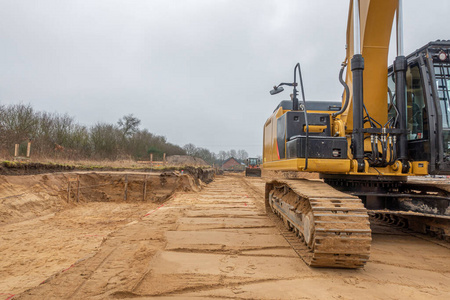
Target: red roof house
point(232, 164)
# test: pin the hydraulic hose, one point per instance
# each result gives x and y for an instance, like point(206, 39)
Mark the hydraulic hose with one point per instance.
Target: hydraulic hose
point(347, 90)
point(304, 108)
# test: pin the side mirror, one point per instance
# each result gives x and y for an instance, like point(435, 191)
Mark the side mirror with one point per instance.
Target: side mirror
point(276, 90)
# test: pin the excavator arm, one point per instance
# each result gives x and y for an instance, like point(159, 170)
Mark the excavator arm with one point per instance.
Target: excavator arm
point(376, 19)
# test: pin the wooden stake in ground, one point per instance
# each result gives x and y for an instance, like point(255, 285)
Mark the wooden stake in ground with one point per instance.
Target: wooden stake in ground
point(144, 192)
point(78, 188)
point(69, 187)
point(16, 150)
point(68, 190)
point(29, 149)
point(126, 188)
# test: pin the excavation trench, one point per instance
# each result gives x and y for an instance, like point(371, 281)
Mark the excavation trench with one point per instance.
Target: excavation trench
point(217, 243)
point(49, 222)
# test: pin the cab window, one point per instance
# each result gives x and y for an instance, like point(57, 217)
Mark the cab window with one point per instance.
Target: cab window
point(442, 75)
point(416, 113)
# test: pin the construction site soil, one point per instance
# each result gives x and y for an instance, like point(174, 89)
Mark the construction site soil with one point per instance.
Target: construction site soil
point(124, 235)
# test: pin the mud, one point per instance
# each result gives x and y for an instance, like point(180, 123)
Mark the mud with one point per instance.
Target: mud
point(216, 242)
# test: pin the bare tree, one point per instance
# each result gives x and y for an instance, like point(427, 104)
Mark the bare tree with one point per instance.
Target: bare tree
point(17, 122)
point(242, 155)
point(190, 149)
point(129, 125)
point(222, 155)
point(206, 155)
point(104, 139)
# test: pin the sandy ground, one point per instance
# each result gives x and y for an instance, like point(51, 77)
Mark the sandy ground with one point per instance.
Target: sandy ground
point(217, 243)
point(43, 232)
point(35, 249)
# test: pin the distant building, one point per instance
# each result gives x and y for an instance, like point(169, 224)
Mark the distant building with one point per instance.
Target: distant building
point(232, 164)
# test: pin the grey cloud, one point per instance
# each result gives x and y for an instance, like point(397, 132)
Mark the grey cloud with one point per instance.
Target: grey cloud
point(194, 71)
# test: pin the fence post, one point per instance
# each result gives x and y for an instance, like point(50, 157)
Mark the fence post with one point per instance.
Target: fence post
point(164, 159)
point(29, 149)
point(16, 150)
point(126, 188)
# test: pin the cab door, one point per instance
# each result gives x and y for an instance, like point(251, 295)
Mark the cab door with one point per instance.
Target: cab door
point(417, 116)
point(442, 99)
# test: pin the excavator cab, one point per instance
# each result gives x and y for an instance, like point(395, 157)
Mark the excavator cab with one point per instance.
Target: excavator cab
point(428, 106)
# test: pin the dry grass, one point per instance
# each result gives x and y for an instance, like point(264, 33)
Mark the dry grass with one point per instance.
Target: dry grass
point(94, 163)
point(100, 164)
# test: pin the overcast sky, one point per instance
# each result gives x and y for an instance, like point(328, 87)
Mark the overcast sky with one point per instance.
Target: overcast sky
point(195, 71)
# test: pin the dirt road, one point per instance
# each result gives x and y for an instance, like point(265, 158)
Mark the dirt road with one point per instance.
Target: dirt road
point(218, 243)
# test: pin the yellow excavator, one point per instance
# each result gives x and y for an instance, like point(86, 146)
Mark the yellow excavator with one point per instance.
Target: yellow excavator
point(392, 125)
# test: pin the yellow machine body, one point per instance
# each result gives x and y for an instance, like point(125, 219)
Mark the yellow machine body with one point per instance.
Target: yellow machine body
point(377, 17)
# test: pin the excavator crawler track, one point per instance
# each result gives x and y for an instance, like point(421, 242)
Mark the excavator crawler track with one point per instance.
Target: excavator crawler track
point(431, 225)
point(325, 227)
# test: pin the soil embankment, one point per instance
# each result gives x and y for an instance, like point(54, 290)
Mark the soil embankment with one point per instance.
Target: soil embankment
point(32, 168)
point(48, 222)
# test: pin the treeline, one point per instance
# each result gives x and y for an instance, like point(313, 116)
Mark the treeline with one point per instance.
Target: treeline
point(53, 134)
point(59, 135)
point(219, 158)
